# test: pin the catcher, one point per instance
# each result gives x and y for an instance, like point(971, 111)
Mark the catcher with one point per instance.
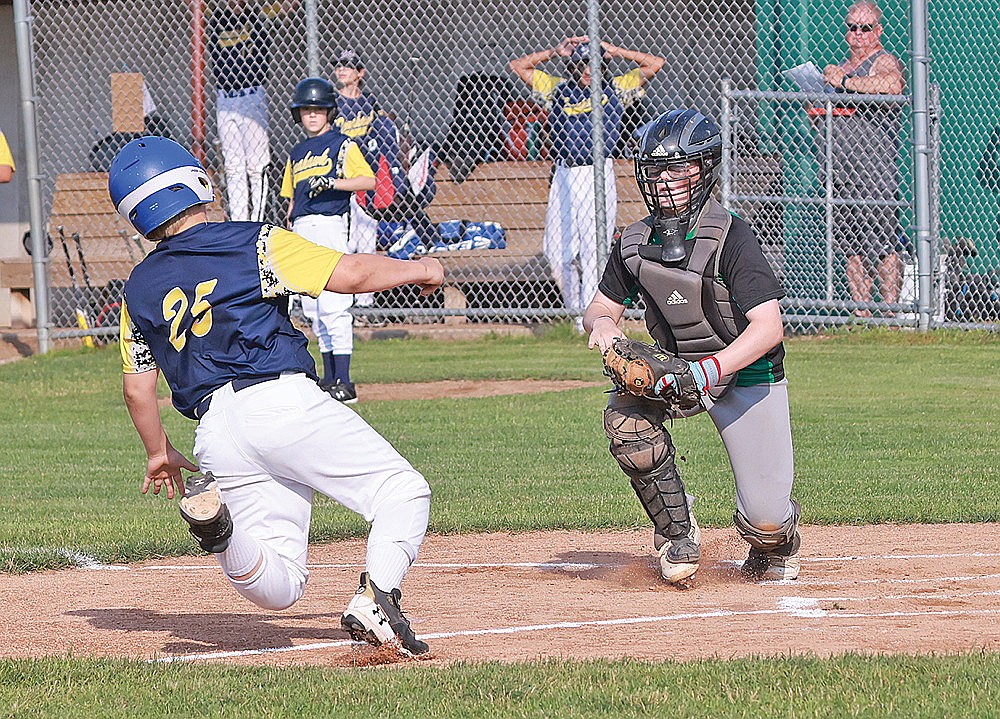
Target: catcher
point(712, 307)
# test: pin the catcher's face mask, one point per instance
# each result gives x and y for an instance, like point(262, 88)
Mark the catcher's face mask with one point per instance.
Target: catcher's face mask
point(671, 185)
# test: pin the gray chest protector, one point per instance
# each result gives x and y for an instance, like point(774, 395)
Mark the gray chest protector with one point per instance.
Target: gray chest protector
point(685, 300)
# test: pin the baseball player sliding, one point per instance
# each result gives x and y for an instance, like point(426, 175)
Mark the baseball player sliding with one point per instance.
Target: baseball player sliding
point(712, 299)
point(209, 309)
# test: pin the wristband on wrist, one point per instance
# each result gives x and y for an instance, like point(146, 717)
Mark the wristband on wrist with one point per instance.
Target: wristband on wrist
point(712, 369)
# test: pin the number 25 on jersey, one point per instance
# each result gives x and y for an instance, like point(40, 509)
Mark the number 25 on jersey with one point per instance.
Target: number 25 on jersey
point(175, 308)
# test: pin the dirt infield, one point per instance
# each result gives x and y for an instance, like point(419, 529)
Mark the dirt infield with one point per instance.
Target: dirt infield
point(514, 597)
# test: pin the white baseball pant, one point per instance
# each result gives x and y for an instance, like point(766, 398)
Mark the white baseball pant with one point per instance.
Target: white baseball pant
point(246, 152)
point(270, 446)
point(361, 239)
point(330, 312)
point(570, 245)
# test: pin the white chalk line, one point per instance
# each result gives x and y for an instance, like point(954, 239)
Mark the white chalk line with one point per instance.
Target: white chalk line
point(921, 580)
point(585, 565)
point(75, 558)
point(85, 561)
point(802, 607)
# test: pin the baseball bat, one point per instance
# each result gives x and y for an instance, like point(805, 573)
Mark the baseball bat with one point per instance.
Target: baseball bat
point(83, 262)
point(81, 316)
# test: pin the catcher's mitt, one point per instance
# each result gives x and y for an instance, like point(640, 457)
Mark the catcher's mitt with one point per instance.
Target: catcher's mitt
point(637, 368)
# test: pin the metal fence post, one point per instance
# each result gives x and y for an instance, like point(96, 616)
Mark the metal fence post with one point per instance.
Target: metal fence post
point(919, 63)
point(726, 184)
point(312, 38)
point(39, 258)
point(597, 134)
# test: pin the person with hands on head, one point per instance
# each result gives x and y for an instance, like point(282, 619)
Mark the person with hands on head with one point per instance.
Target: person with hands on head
point(321, 174)
point(864, 166)
point(712, 300)
point(208, 308)
point(569, 244)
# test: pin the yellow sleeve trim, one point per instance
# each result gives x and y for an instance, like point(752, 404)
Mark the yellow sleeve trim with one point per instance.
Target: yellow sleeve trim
point(136, 356)
point(287, 188)
point(544, 84)
point(5, 157)
point(629, 86)
point(291, 265)
point(355, 164)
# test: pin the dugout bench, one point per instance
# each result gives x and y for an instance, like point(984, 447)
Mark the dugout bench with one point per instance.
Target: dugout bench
point(515, 194)
point(91, 246)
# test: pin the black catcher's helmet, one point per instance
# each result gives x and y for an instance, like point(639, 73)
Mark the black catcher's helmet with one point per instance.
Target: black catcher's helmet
point(671, 144)
point(313, 92)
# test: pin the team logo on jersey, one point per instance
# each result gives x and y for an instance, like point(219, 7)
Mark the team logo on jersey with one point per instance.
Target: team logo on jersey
point(356, 126)
point(676, 298)
point(234, 37)
point(583, 107)
point(312, 166)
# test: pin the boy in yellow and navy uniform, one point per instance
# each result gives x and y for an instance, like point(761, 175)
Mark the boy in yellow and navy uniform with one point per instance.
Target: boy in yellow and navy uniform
point(569, 243)
point(321, 174)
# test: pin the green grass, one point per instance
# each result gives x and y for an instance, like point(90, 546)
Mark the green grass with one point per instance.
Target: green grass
point(800, 687)
point(888, 427)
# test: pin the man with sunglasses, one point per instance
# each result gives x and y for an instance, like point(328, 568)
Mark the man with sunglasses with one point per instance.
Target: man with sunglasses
point(711, 299)
point(864, 169)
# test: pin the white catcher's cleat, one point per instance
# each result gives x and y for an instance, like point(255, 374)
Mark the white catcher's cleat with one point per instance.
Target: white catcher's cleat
point(679, 558)
point(781, 563)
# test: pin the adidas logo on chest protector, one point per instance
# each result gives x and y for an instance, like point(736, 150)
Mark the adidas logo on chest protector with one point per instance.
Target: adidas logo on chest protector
point(676, 298)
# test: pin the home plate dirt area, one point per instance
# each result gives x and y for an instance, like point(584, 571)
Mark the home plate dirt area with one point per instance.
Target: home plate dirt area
point(887, 589)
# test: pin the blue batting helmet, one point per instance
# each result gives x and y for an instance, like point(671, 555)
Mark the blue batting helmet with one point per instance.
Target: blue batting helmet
point(314, 92)
point(153, 179)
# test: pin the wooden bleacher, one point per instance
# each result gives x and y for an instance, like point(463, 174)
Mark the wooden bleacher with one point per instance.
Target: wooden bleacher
point(111, 248)
point(516, 195)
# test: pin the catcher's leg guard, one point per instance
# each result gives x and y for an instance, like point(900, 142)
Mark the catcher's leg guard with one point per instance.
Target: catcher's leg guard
point(208, 518)
point(643, 449)
point(773, 555)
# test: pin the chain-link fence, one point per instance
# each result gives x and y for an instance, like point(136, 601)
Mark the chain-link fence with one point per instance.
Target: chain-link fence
point(488, 104)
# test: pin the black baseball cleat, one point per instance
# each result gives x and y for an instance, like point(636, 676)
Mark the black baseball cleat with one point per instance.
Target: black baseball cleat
point(375, 617)
point(208, 518)
point(342, 392)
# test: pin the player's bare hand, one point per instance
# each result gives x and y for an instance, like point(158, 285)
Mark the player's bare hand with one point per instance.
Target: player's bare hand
point(164, 470)
point(605, 332)
point(610, 50)
point(435, 275)
point(565, 48)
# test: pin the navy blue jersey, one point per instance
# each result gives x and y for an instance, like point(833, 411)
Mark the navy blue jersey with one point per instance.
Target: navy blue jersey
point(210, 305)
point(355, 115)
point(331, 154)
point(570, 109)
point(238, 44)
